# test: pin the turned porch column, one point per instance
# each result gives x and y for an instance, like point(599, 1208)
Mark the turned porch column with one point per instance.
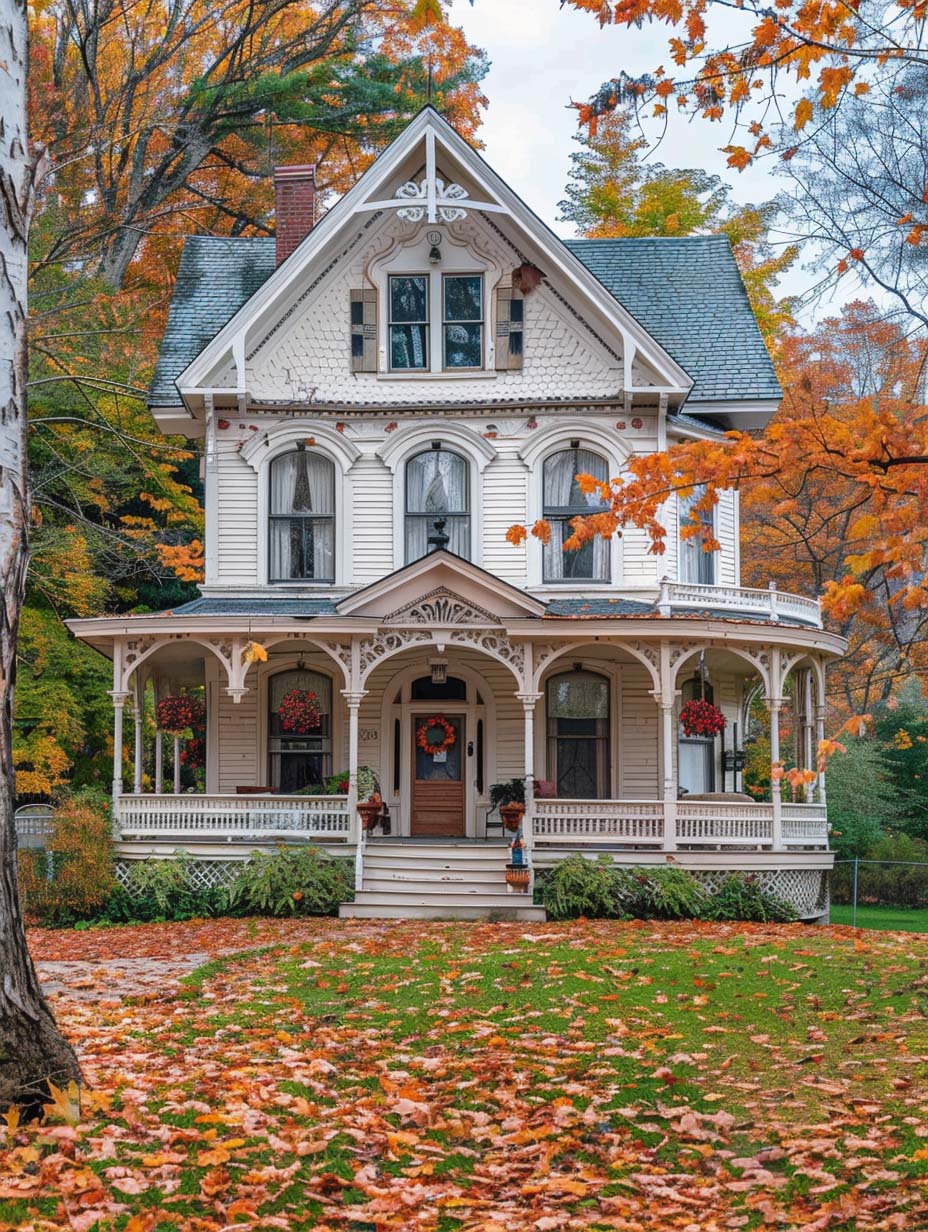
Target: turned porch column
point(774, 706)
point(138, 714)
point(665, 699)
point(819, 737)
point(119, 703)
point(529, 701)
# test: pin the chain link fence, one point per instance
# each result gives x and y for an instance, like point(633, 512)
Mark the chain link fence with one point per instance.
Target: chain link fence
point(880, 894)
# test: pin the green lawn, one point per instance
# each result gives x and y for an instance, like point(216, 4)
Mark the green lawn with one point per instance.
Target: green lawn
point(898, 919)
point(486, 1078)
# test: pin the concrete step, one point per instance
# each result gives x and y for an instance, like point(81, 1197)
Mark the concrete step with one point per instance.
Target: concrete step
point(455, 865)
point(436, 851)
point(435, 897)
point(433, 880)
point(448, 909)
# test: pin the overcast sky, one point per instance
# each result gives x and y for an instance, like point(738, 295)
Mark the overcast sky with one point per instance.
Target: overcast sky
point(542, 57)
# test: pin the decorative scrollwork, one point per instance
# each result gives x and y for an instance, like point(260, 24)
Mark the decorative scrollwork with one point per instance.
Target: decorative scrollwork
point(440, 608)
point(418, 193)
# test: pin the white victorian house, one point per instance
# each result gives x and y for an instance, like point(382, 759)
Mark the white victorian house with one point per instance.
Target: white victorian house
point(431, 352)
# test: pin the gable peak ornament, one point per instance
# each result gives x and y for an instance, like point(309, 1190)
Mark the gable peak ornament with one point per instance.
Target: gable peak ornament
point(439, 206)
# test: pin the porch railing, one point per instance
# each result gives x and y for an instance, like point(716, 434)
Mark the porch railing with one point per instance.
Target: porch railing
point(232, 817)
point(698, 823)
point(770, 603)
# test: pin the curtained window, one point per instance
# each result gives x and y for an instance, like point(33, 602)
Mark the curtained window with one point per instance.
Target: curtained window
point(302, 517)
point(409, 321)
point(696, 754)
point(437, 485)
point(462, 324)
point(563, 501)
point(577, 708)
point(695, 564)
point(299, 761)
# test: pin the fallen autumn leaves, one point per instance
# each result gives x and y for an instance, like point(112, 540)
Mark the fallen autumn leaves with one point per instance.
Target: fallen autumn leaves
point(491, 1077)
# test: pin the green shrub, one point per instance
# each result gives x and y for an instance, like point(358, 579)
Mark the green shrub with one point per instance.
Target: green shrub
point(578, 886)
point(892, 873)
point(742, 898)
point(74, 876)
point(162, 890)
point(294, 881)
point(662, 894)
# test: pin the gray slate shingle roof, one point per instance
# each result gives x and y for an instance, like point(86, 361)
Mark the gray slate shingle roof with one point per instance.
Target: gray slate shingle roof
point(257, 607)
point(687, 293)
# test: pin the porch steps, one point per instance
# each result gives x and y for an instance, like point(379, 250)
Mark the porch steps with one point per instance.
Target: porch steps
point(442, 881)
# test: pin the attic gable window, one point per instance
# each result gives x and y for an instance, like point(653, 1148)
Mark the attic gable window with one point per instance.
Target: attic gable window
point(462, 326)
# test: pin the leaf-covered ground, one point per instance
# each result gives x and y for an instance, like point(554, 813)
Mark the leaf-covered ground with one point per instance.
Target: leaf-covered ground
point(368, 1075)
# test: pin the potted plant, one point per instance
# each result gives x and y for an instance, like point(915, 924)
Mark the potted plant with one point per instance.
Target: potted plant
point(517, 870)
point(509, 798)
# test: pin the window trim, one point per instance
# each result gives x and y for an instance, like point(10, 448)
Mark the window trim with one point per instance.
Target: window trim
point(467, 512)
point(481, 321)
point(271, 518)
point(558, 513)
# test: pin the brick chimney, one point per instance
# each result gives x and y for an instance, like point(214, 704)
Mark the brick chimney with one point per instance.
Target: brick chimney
point(295, 198)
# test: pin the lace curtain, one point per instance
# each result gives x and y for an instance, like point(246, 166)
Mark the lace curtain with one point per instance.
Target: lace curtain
point(564, 501)
point(302, 546)
point(436, 485)
point(578, 696)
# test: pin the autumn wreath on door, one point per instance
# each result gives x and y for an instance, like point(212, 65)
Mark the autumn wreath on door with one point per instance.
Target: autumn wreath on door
point(435, 735)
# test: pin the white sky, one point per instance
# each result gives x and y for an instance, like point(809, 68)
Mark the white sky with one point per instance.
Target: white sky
point(542, 57)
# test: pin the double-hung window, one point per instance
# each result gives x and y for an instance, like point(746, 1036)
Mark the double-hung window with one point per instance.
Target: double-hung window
point(302, 517)
point(437, 486)
point(436, 322)
point(696, 565)
point(564, 501)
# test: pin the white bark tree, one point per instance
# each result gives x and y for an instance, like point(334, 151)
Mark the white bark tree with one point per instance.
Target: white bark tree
point(32, 1050)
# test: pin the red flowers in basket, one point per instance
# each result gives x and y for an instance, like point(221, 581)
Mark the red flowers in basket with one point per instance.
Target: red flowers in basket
point(175, 714)
point(299, 711)
point(193, 754)
point(701, 718)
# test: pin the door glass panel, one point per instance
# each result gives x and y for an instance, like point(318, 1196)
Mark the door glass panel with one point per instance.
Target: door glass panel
point(444, 766)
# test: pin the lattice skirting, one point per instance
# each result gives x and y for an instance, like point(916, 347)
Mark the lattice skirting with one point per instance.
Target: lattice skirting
point(806, 888)
point(202, 874)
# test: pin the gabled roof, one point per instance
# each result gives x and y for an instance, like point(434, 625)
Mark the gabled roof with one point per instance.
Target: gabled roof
point(687, 292)
point(689, 295)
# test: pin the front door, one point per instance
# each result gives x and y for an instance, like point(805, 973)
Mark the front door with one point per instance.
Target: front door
point(437, 776)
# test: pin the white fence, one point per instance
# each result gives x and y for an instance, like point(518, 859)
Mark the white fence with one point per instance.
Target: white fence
point(232, 817)
point(771, 604)
point(698, 823)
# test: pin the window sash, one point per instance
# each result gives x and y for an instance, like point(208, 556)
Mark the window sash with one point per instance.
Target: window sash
point(696, 566)
point(473, 325)
point(592, 562)
point(301, 523)
point(409, 333)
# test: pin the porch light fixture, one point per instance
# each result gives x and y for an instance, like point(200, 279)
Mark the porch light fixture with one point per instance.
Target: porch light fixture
point(434, 239)
point(439, 669)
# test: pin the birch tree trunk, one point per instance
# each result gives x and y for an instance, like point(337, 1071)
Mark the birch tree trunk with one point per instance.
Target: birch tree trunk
point(32, 1051)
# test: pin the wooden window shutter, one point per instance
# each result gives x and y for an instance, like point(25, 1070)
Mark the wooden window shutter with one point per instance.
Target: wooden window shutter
point(364, 330)
point(510, 330)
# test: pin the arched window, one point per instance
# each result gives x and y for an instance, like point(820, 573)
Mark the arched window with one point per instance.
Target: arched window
point(696, 754)
point(299, 759)
point(302, 517)
point(563, 501)
point(696, 565)
point(577, 707)
point(437, 485)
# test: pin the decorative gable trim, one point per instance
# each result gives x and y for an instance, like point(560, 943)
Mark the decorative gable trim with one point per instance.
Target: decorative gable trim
point(440, 608)
point(258, 316)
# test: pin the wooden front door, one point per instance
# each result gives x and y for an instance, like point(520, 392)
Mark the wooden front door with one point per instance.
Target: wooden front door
point(438, 783)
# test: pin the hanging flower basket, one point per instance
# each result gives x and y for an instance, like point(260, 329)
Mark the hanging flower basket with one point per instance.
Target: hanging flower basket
point(299, 711)
point(175, 714)
point(193, 754)
point(701, 718)
point(435, 735)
